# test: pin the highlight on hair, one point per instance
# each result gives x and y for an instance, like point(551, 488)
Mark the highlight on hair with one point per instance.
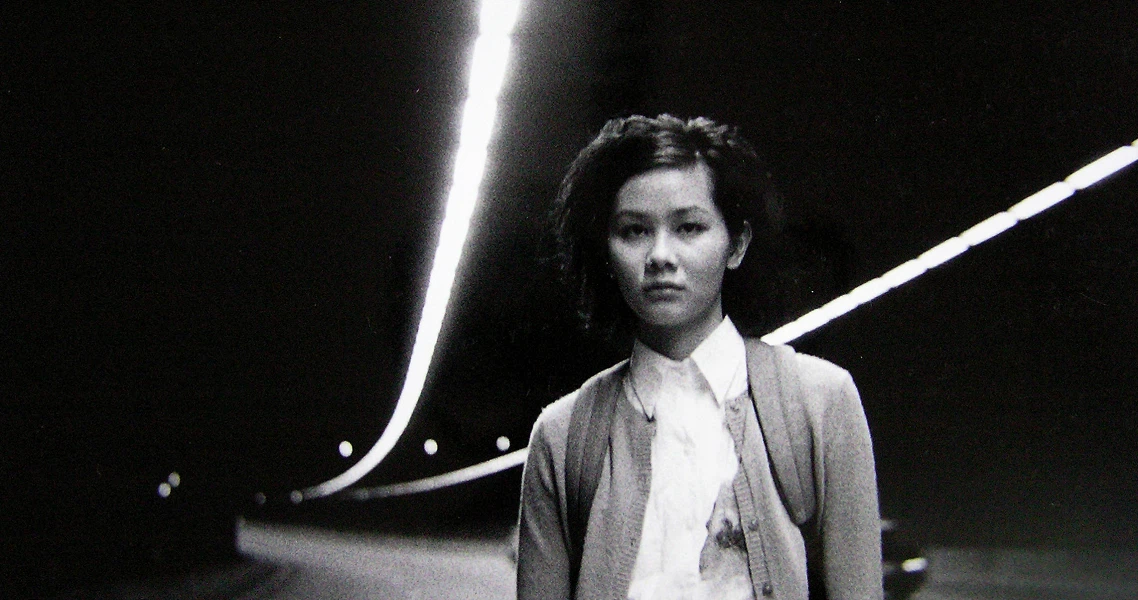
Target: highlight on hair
point(625, 147)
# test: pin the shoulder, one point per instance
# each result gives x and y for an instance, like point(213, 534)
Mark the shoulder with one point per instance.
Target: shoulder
point(813, 372)
point(552, 426)
point(830, 397)
point(824, 387)
point(820, 374)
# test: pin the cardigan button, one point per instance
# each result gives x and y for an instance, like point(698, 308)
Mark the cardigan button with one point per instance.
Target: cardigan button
point(753, 524)
point(768, 589)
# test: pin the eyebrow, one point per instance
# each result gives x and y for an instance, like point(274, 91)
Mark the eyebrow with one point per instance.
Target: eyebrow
point(680, 212)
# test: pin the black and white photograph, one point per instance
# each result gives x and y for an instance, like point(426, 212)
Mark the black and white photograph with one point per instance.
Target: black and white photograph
point(523, 299)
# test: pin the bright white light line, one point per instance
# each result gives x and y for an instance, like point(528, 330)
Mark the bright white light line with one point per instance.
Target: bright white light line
point(907, 271)
point(428, 484)
point(487, 72)
point(953, 247)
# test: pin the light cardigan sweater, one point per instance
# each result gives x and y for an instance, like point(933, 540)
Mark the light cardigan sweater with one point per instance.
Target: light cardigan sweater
point(845, 487)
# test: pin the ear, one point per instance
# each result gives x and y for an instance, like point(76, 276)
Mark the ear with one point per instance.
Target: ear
point(739, 249)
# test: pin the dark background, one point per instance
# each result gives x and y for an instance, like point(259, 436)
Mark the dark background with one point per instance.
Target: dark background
point(218, 219)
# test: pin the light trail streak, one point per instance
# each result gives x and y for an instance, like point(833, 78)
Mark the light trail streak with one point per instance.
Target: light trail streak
point(949, 249)
point(487, 72)
point(427, 484)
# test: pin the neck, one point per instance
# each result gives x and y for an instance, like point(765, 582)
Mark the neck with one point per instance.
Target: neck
point(677, 343)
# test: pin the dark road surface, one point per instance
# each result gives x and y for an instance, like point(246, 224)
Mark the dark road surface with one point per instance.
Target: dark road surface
point(973, 574)
point(297, 563)
point(334, 565)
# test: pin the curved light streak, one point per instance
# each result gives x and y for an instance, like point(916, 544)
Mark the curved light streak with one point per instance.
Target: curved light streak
point(937, 255)
point(487, 72)
point(428, 484)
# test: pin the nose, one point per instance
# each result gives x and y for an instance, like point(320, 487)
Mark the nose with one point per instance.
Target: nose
point(661, 255)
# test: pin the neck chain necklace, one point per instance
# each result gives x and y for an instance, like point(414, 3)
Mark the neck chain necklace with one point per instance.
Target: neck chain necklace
point(643, 409)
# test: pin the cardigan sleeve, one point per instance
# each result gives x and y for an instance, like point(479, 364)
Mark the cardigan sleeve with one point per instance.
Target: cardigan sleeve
point(543, 557)
point(848, 517)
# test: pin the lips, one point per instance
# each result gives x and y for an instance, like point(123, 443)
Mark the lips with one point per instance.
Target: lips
point(662, 289)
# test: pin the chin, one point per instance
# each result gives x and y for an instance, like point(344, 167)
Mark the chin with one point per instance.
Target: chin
point(666, 320)
point(678, 316)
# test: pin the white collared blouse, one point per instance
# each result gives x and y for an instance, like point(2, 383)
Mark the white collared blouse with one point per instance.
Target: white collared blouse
point(685, 552)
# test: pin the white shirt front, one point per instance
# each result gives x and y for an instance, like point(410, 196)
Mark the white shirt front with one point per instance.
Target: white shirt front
point(693, 458)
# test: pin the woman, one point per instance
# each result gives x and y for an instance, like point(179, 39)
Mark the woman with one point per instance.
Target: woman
point(707, 465)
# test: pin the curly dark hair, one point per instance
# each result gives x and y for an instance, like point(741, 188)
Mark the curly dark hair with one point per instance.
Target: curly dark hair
point(626, 147)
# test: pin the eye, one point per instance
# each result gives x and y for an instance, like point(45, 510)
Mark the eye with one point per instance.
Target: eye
point(630, 231)
point(691, 227)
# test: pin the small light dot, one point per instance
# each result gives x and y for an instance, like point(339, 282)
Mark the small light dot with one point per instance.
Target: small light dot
point(915, 565)
point(295, 496)
point(164, 489)
point(503, 443)
point(345, 449)
point(430, 447)
point(174, 479)
point(259, 498)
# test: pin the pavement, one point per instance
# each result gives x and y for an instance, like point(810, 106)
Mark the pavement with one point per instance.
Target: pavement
point(321, 564)
point(288, 562)
point(1036, 574)
point(336, 565)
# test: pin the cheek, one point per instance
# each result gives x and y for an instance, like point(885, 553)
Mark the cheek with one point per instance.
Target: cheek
point(710, 262)
point(706, 276)
point(624, 264)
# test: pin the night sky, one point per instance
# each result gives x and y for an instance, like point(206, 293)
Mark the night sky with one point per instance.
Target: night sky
point(218, 219)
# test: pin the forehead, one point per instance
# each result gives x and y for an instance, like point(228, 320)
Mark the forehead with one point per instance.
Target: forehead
point(667, 189)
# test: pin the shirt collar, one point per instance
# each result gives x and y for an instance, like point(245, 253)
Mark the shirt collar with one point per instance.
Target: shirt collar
point(721, 357)
point(719, 361)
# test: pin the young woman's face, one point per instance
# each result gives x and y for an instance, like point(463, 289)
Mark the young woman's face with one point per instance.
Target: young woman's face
point(669, 247)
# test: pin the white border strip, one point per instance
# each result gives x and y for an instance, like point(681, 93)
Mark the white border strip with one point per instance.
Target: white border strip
point(487, 71)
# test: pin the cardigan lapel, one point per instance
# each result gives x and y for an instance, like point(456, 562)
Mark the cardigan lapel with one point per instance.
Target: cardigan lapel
point(630, 460)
